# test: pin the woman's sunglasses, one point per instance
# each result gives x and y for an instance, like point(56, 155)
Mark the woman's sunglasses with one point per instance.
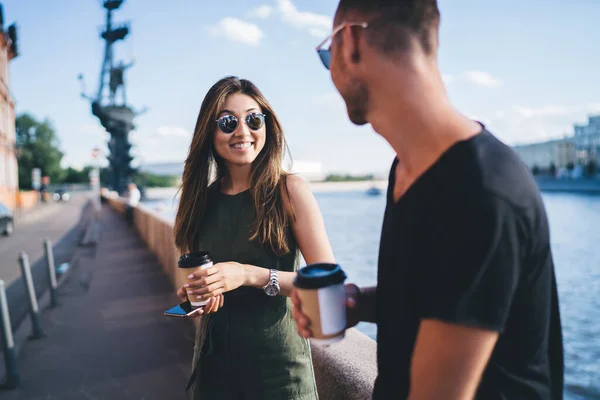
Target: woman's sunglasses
point(229, 123)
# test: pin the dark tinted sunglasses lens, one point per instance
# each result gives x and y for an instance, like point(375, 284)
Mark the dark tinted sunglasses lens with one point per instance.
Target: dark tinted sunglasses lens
point(325, 56)
point(255, 121)
point(227, 124)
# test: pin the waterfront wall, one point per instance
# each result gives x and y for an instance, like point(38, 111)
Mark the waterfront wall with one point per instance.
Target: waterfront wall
point(586, 186)
point(344, 371)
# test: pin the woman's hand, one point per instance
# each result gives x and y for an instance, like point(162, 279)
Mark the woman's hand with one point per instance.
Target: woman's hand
point(213, 305)
point(216, 280)
point(181, 293)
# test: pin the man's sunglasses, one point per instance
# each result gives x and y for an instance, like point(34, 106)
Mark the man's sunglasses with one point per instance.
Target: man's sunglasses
point(324, 48)
point(229, 123)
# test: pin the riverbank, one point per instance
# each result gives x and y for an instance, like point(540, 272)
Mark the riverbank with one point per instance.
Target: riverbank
point(170, 193)
point(587, 186)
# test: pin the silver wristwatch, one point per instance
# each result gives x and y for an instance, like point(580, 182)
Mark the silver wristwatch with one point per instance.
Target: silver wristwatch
point(272, 288)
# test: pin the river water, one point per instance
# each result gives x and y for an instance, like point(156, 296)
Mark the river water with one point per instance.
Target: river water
point(353, 221)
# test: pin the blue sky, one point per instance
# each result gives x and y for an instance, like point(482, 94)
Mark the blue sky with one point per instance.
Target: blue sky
point(526, 68)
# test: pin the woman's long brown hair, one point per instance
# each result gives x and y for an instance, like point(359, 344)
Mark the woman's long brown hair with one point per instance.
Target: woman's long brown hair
point(267, 179)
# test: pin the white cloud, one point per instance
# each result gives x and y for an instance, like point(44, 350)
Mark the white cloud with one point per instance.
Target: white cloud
point(481, 78)
point(316, 24)
point(556, 111)
point(173, 131)
point(73, 163)
point(520, 124)
point(262, 11)
point(238, 31)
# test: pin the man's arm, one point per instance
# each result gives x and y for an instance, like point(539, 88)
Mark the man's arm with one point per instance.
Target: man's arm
point(448, 360)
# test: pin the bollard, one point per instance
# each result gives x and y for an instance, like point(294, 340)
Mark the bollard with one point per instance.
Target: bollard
point(36, 321)
point(8, 344)
point(51, 271)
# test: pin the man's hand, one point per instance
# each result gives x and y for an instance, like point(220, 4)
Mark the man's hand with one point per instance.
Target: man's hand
point(352, 304)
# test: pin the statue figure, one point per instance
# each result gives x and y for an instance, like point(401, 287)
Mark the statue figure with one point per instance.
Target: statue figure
point(116, 80)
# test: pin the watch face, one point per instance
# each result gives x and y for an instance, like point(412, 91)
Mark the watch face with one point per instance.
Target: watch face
point(271, 290)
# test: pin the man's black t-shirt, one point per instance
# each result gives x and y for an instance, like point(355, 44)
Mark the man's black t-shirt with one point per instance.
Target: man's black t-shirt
point(469, 244)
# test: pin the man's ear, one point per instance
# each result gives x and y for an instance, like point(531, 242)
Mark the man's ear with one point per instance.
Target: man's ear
point(350, 45)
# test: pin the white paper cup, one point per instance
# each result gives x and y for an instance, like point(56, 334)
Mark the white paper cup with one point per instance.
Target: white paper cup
point(190, 263)
point(321, 290)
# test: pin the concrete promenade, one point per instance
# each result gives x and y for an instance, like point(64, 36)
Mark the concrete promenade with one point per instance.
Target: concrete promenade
point(108, 338)
point(51, 220)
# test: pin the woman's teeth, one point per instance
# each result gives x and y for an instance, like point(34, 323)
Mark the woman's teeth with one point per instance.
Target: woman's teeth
point(244, 145)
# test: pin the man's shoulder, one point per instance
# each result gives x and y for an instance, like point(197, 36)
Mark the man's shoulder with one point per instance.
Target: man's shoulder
point(493, 169)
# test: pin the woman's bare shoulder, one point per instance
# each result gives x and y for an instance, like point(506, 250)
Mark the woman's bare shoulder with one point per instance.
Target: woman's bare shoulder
point(296, 187)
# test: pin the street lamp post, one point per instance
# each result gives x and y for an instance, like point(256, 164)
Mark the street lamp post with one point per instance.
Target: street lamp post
point(95, 178)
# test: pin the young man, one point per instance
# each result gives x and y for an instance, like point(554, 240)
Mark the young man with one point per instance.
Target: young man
point(466, 303)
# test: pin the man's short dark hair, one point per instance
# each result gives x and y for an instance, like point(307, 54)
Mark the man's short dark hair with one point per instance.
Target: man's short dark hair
point(393, 22)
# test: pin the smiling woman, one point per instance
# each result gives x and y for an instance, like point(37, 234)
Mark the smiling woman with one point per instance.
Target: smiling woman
point(240, 143)
point(252, 218)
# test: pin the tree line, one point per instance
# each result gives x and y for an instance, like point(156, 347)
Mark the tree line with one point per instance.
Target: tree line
point(38, 146)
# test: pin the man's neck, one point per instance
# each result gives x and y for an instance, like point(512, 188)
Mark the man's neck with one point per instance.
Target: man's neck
point(418, 121)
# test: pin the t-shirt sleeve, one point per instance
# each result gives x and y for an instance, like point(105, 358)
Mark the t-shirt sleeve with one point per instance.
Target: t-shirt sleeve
point(472, 271)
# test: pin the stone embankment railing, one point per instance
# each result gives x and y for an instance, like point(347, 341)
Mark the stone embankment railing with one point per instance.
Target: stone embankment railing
point(344, 371)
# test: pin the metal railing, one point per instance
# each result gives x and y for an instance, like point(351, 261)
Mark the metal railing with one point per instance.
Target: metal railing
point(7, 324)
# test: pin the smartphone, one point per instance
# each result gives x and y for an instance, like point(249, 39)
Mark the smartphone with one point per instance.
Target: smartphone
point(182, 310)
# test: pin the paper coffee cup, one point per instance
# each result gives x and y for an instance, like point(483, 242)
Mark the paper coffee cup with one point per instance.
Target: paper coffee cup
point(190, 263)
point(321, 290)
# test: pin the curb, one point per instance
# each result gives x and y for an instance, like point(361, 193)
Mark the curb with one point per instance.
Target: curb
point(22, 333)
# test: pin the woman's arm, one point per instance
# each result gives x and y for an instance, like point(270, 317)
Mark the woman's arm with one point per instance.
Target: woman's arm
point(309, 230)
point(308, 225)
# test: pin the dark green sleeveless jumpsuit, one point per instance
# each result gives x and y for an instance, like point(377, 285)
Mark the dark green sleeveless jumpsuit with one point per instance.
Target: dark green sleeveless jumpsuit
point(250, 348)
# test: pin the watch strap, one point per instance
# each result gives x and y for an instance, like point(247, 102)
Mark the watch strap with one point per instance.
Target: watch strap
point(273, 279)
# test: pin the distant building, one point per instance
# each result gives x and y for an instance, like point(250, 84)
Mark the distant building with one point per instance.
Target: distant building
point(9, 175)
point(560, 152)
point(587, 141)
point(579, 149)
